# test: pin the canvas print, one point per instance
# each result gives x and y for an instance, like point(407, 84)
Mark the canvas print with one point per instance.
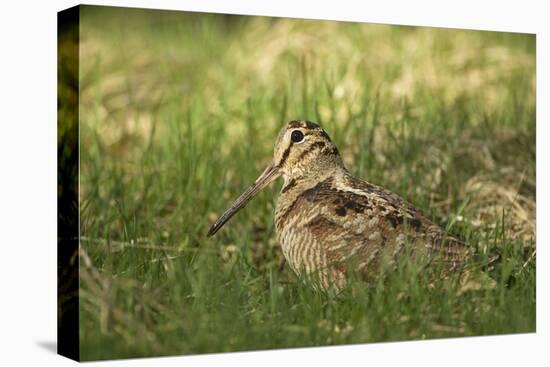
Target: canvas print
point(236, 183)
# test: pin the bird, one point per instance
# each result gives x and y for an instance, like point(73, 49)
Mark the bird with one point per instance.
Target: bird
point(331, 224)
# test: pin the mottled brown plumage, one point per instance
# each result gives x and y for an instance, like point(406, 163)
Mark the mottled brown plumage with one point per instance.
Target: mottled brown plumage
point(327, 220)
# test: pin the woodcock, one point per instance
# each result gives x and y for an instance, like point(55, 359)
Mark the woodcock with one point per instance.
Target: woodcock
point(326, 220)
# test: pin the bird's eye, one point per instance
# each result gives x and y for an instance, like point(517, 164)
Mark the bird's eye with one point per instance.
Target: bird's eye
point(297, 136)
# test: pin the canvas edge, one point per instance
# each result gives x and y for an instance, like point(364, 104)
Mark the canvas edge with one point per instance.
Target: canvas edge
point(68, 305)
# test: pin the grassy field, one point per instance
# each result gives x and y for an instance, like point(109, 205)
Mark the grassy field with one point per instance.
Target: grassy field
point(179, 113)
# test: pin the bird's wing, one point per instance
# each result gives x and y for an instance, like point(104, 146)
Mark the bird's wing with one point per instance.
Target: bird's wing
point(446, 246)
point(357, 221)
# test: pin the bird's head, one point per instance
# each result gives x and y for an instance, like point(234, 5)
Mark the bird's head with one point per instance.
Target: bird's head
point(303, 150)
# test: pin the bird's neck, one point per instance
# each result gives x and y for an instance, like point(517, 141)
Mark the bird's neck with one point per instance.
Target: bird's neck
point(303, 180)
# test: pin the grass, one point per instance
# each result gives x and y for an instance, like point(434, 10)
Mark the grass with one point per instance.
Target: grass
point(179, 113)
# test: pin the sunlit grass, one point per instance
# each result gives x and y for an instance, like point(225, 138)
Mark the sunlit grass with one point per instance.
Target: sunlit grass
point(179, 113)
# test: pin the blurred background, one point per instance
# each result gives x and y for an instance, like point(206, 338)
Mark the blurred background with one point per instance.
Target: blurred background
point(179, 113)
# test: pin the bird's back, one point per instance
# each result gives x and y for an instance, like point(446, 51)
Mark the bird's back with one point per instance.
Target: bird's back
point(327, 226)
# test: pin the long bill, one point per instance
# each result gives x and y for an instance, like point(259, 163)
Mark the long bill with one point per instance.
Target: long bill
point(267, 176)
